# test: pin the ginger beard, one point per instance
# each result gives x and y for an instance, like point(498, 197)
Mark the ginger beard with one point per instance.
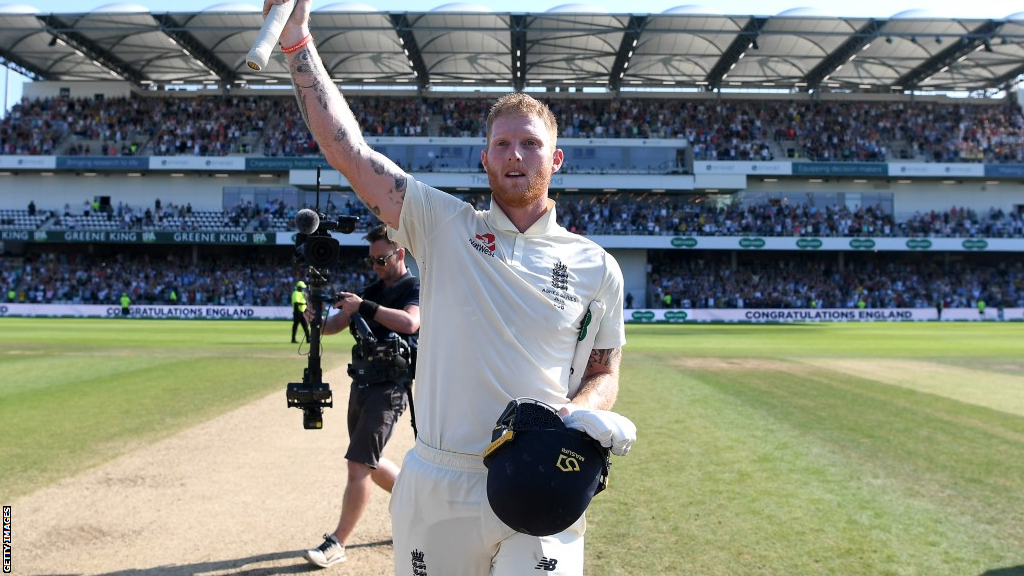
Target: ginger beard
point(519, 195)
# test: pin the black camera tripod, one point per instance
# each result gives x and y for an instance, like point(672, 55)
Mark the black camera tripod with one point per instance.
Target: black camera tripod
point(312, 395)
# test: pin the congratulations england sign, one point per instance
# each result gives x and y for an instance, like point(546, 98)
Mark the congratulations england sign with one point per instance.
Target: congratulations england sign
point(149, 311)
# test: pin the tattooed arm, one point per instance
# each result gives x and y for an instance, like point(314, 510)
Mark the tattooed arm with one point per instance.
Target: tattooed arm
point(378, 181)
point(600, 383)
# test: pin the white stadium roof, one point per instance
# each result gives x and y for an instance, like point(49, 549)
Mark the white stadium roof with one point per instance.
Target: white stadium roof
point(571, 45)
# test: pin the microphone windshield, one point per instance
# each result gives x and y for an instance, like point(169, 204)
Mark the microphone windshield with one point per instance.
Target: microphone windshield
point(307, 221)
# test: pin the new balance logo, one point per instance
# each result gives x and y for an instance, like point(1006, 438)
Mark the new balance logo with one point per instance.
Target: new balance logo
point(546, 564)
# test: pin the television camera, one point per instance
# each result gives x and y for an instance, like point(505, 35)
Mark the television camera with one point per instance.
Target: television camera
point(375, 360)
point(318, 251)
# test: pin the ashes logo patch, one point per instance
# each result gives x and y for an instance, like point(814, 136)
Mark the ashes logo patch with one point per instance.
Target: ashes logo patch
point(484, 244)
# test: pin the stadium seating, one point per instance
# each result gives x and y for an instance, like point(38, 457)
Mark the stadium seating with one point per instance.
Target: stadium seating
point(586, 214)
point(880, 281)
point(21, 219)
point(723, 129)
point(709, 280)
point(833, 131)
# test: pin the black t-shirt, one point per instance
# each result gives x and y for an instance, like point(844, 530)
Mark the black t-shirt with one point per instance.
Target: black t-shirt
point(403, 292)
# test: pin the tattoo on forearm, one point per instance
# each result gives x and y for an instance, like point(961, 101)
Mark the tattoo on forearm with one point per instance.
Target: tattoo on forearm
point(378, 167)
point(304, 65)
point(604, 357)
point(302, 103)
point(401, 182)
point(373, 208)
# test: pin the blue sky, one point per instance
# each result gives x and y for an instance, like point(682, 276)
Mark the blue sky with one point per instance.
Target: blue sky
point(10, 83)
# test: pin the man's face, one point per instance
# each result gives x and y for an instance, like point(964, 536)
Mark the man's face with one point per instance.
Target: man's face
point(520, 159)
point(384, 258)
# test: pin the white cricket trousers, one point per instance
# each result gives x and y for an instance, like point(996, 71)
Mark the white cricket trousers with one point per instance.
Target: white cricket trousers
point(442, 524)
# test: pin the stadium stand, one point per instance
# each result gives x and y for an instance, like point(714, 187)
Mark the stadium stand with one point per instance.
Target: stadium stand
point(709, 280)
point(586, 214)
point(221, 278)
point(774, 281)
point(836, 131)
point(740, 130)
point(12, 219)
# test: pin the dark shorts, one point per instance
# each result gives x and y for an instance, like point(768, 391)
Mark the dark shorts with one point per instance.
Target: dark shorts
point(372, 413)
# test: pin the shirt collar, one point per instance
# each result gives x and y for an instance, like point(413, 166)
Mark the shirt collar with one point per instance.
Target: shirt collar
point(545, 224)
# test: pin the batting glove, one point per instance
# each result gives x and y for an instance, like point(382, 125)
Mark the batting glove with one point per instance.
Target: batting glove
point(612, 430)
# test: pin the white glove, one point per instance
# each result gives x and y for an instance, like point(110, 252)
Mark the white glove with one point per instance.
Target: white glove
point(612, 430)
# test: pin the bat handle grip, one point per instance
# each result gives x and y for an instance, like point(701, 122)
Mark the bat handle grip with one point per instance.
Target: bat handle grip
point(277, 17)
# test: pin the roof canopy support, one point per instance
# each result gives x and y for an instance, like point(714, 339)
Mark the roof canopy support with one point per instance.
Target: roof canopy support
point(412, 49)
point(187, 41)
point(629, 41)
point(841, 55)
point(743, 41)
point(90, 49)
point(518, 51)
point(25, 69)
point(962, 47)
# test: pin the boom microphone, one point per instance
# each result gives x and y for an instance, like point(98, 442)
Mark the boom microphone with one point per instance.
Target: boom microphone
point(307, 221)
point(259, 55)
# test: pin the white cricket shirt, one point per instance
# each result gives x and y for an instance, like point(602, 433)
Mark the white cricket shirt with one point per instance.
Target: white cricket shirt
point(501, 312)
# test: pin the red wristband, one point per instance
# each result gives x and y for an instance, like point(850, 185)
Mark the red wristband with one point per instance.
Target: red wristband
point(300, 44)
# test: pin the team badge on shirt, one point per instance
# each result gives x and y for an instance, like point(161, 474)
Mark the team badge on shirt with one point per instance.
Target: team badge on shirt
point(560, 276)
point(559, 290)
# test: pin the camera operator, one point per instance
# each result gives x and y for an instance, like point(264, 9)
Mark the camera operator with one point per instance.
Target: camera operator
point(382, 372)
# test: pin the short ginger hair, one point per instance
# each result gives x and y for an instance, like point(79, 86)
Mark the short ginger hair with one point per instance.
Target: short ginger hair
point(520, 104)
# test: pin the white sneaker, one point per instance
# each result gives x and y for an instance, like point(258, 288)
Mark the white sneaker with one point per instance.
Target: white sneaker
point(327, 554)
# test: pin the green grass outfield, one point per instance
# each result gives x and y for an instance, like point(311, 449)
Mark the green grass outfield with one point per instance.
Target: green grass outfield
point(782, 450)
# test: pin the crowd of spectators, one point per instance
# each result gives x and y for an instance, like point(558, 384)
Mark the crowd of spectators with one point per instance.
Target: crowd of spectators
point(225, 280)
point(711, 281)
point(127, 126)
point(724, 129)
point(656, 214)
point(33, 127)
point(684, 280)
point(866, 131)
point(205, 126)
point(838, 131)
point(604, 214)
point(963, 133)
point(272, 215)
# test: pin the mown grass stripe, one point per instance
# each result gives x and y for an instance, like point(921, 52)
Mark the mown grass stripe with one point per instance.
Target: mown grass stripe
point(975, 385)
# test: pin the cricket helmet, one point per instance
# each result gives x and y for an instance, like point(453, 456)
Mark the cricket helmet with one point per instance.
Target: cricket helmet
point(541, 475)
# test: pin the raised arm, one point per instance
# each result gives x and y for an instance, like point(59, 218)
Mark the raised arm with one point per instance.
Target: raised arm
point(378, 181)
